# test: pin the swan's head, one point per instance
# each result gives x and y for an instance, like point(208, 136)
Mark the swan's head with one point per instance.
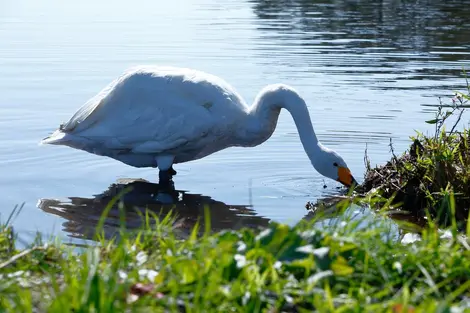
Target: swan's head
point(331, 164)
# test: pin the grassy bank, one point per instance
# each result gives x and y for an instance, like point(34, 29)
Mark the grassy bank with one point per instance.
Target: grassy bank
point(278, 269)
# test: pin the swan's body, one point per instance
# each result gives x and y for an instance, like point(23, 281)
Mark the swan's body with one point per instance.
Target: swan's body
point(159, 116)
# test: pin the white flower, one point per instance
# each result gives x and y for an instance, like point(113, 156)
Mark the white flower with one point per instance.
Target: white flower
point(398, 267)
point(241, 260)
point(122, 275)
point(150, 274)
point(141, 258)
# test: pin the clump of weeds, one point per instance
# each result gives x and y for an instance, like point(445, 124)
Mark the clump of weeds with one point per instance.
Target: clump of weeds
point(431, 179)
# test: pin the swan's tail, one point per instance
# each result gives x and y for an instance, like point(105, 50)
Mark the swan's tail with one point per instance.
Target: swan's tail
point(56, 138)
point(62, 138)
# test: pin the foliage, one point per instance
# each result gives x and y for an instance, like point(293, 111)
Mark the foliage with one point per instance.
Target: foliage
point(431, 179)
point(277, 269)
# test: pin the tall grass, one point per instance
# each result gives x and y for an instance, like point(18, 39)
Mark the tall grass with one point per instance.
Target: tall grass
point(276, 269)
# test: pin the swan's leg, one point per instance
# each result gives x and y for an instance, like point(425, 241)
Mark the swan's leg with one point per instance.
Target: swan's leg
point(165, 165)
point(165, 162)
point(165, 178)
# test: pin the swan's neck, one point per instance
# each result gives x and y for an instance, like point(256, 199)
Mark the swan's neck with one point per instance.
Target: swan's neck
point(264, 113)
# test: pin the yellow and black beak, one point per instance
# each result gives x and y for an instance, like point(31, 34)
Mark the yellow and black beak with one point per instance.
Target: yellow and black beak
point(345, 177)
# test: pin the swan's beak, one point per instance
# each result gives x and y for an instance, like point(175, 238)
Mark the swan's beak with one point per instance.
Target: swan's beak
point(345, 177)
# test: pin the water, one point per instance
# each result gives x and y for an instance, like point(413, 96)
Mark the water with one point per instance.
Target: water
point(369, 71)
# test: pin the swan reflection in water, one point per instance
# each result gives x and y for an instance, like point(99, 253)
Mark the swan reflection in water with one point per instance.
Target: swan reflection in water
point(83, 214)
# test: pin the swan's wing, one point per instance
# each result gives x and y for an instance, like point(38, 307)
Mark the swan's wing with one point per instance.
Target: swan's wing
point(151, 113)
point(92, 105)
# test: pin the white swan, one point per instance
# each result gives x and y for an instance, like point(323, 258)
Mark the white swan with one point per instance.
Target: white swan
point(154, 116)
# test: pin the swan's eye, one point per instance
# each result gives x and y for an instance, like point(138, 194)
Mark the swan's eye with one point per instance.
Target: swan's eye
point(335, 164)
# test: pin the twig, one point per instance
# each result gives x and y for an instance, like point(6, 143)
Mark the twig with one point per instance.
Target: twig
point(11, 239)
point(437, 126)
point(366, 159)
point(460, 115)
point(393, 151)
point(379, 173)
point(18, 256)
point(397, 187)
point(457, 122)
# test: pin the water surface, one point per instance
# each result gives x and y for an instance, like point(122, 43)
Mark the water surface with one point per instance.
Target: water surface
point(369, 70)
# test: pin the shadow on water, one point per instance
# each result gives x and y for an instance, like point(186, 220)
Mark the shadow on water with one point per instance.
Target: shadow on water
point(140, 196)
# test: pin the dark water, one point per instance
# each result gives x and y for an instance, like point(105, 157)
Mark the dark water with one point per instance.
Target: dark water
point(369, 70)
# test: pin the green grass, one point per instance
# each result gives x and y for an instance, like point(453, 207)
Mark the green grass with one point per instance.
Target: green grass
point(277, 269)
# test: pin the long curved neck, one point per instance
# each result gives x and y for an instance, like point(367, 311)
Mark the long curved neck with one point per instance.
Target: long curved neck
point(265, 111)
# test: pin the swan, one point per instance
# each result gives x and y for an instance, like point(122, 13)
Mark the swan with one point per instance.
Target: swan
point(158, 116)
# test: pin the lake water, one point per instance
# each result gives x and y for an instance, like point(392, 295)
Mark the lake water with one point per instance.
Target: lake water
point(369, 70)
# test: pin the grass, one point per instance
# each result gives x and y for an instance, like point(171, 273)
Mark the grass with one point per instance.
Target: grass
point(275, 269)
point(431, 180)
